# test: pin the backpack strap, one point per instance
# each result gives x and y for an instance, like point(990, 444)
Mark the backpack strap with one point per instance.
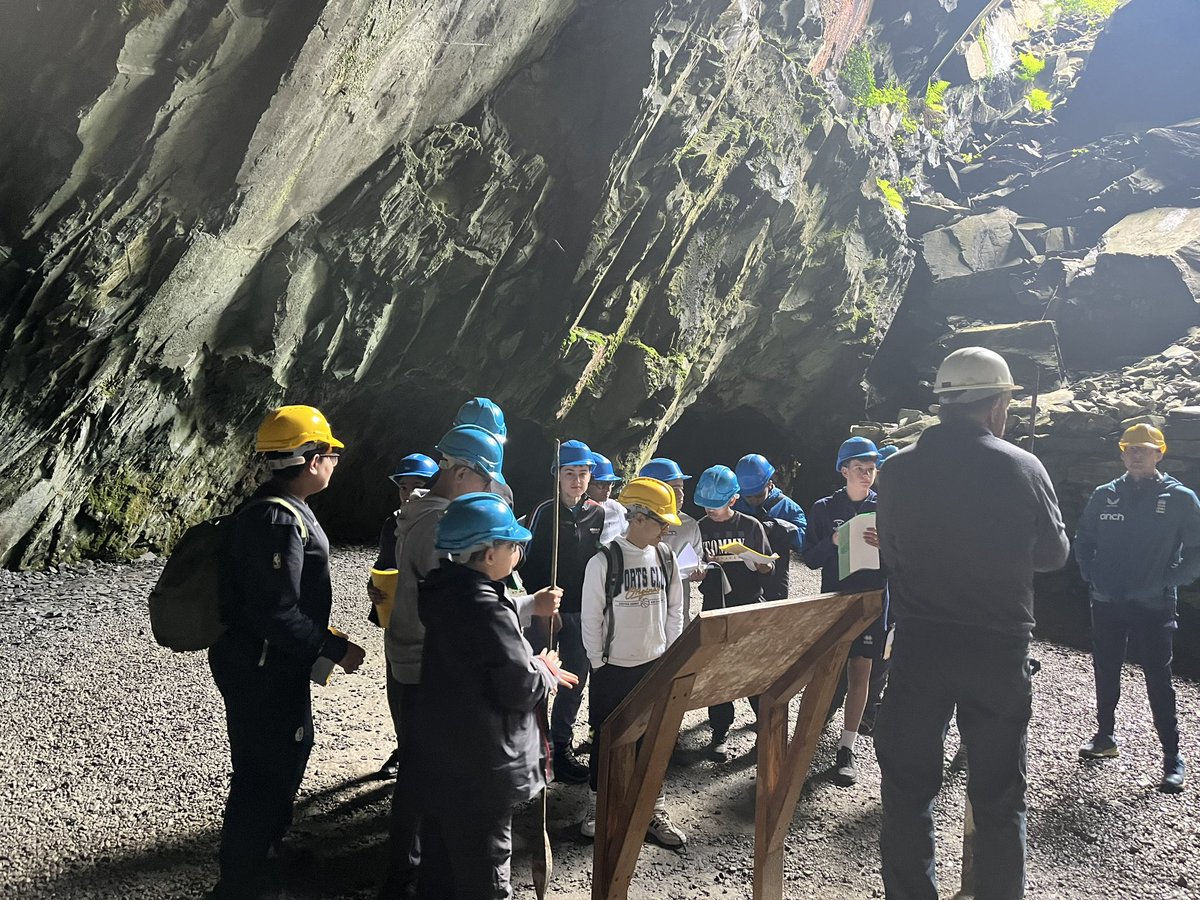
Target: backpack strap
point(279, 501)
point(613, 585)
point(666, 559)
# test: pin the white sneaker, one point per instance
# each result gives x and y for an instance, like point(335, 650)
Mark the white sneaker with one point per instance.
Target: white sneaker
point(663, 830)
point(587, 827)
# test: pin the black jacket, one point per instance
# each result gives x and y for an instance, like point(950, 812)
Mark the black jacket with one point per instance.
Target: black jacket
point(275, 587)
point(964, 521)
point(579, 530)
point(476, 738)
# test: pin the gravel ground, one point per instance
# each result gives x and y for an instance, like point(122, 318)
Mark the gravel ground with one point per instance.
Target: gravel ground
point(115, 766)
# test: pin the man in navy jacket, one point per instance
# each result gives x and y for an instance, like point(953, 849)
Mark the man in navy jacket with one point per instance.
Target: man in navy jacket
point(1138, 540)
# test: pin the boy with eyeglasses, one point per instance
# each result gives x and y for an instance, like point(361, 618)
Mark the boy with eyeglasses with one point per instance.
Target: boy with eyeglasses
point(632, 612)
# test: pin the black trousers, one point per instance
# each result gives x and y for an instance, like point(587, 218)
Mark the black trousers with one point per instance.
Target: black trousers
point(934, 668)
point(268, 710)
point(404, 827)
point(466, 850)
point(565, 708)
point(1148, 636)
point(610, 685)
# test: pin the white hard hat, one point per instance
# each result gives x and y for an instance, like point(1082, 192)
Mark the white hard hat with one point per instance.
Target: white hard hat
point(972, 373)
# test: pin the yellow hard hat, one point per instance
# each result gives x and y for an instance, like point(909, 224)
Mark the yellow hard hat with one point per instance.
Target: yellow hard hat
point(291, 427)
point(1143, 435)
point(656, 496)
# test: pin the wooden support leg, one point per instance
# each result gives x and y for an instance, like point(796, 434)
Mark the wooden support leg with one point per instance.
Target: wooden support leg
point(772, 754)
point(631, 778)
point(777, 797)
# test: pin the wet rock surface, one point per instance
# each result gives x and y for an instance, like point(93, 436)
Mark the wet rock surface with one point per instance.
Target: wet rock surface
point(115, 764)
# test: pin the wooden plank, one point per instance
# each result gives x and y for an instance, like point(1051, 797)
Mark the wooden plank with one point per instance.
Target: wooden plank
point(629, 720)
point(865, 610)
point(622, 835)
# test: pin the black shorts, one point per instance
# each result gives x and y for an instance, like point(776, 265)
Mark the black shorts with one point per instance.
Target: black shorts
point(871, 642)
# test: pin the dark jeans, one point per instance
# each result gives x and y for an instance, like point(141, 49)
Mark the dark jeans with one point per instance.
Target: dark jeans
point(395, 699)
point(268, 710)
point(565, 708)
point(1149, 636)
point(610, 685)
point(404, 828)
point(934, 668)
point(467, 852)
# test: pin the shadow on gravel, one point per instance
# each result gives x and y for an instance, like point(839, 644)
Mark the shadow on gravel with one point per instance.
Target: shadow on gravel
point(337, 847)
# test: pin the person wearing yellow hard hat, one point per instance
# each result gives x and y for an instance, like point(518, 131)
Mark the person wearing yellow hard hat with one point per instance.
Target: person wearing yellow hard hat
point(1138, 540)
point(276, 595)
point(632, 612)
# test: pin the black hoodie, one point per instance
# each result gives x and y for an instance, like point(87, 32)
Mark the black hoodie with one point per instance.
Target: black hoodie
point(477, 737)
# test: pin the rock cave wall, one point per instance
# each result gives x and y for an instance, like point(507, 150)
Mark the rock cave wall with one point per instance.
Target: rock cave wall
point(615, 218)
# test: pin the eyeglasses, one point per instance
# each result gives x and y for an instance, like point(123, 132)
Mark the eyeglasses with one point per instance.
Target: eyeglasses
point(334, 456)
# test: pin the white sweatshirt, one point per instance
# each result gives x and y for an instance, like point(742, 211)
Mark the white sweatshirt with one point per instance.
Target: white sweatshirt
point(647, 614)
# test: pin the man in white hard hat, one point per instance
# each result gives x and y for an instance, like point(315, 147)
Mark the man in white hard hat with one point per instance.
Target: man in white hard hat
point(965, 522)
point(1138, 540)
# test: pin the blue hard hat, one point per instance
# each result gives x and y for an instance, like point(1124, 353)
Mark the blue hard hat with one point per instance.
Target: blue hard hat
point(477, 519)
point(476, 446)
point(415, 465)
point(604, 468)
point(487, 415)
point(855, 448)
point(663, 469)
point(574, 453)
point(754, 471)
point(885, 452)
point(716, 487)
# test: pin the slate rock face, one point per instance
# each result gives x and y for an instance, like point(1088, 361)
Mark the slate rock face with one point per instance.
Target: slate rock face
point(591, 212)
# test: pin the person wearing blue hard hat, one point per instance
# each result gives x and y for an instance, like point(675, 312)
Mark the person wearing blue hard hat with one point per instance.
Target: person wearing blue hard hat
point(410, 477)
point(580, 524)
point(687, 533)
point(471, 462)
point(665, 470)
point(780, 515)
point(856, 464)
point(737, 556)
point(476, 747)
point(600, 488)
point(487, 415)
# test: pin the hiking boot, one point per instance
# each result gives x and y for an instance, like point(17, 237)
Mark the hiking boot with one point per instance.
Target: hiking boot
point(389, 769)
point(666, 832)
point(1173, 778)
point(719, 748)
point(844, 772)
point(1102, 746)
point(567, 767)
point(585, 746)
point(587, 827)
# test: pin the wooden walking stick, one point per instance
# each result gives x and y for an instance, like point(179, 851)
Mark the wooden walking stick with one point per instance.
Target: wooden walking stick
point(543, 862)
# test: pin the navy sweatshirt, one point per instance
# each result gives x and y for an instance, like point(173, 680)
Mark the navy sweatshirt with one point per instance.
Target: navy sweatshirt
point(820, 552)
point(1139, 540)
